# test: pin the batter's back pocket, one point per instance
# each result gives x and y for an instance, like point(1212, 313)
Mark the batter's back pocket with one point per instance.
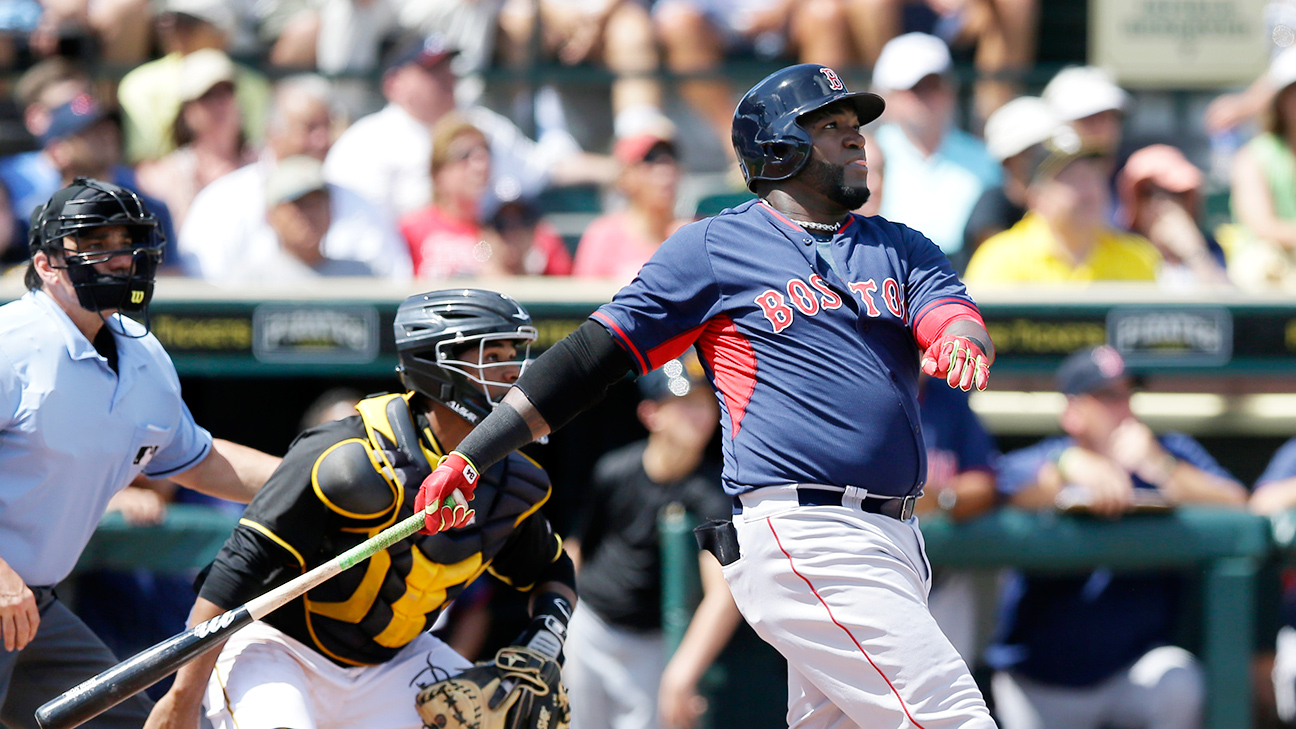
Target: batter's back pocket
point(719, 538)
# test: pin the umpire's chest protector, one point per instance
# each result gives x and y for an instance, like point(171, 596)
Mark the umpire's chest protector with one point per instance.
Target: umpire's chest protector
point(367, 613)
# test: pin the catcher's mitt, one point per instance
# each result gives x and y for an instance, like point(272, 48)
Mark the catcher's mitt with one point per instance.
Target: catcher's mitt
point(520, 689)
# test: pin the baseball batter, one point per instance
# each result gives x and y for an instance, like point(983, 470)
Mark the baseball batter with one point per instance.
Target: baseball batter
point(813, 324)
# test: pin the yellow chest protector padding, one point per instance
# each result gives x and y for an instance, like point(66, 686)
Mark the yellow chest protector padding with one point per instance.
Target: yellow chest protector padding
point(365, 614)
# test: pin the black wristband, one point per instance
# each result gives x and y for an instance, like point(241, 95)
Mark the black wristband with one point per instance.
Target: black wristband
point(501, 433)
point(977, 341)
point(548, 628)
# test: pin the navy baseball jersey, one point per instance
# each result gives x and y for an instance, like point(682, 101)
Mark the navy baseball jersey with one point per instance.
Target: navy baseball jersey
point(817, 376)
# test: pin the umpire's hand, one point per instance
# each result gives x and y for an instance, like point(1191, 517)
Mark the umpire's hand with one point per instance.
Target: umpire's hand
point(19, 617)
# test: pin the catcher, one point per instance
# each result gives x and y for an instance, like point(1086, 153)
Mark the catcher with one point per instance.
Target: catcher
point(354, 652)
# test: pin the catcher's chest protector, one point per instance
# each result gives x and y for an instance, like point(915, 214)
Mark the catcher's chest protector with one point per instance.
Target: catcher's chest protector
point(366, 614)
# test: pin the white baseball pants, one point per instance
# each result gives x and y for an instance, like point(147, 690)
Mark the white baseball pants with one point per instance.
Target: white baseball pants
point(612, 675)
point(265, 679)
point(842, 594)
point(1165, 689)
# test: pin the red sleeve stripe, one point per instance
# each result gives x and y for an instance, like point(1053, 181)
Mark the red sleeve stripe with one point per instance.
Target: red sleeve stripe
point(673, 347)
point(933, 322)
point(622, 340)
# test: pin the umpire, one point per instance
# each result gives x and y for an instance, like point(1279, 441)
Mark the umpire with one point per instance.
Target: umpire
point(89, 400)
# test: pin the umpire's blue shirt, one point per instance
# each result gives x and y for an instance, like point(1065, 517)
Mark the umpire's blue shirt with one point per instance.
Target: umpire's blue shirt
point(73, 432)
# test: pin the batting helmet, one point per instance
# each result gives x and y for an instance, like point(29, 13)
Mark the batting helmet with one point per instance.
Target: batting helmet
point(86, 204)
point(771, 145)
point(435, 330)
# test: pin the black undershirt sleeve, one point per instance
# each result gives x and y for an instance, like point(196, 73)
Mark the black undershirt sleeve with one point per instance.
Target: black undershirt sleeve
point(569, 378)
point(248, 566)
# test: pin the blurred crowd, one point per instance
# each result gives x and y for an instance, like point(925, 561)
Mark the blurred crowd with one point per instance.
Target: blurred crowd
point(406, 139)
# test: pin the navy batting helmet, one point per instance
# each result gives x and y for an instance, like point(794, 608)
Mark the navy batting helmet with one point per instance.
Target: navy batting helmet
point(437, 331)
point(771, 145)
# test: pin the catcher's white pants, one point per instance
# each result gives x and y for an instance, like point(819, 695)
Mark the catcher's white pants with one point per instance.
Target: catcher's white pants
point(265, 679)
point(842, 594)
point(612, 675)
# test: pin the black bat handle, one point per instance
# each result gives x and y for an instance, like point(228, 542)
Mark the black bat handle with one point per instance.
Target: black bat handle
point(99, 694)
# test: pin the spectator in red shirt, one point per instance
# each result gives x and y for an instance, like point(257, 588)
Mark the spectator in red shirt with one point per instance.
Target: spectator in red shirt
point(447, 239)
point(616, 245)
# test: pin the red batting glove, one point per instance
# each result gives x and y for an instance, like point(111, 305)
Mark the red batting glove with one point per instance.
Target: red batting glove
point(960, 360)
point(446, 493)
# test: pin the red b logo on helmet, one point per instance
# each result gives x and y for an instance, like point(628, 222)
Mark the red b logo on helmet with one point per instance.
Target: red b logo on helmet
point(834, 81)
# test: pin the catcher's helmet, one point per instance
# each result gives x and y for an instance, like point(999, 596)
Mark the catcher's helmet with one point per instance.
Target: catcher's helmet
point(88, 203)
point(771, 145)
point(433, 330)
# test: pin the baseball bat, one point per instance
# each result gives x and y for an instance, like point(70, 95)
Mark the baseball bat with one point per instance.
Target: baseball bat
point(91, 698)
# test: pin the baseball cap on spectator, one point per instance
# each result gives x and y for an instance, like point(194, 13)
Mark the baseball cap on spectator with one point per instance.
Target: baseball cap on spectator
point(518, 212)
point(72, 118)
point(293, 178)
point(427, 52)
point(1160, 166)
point(676, 378)
point(645, 146)
point(907, 59)
point(1019, 125)
point(202, 70)
point(1080, 91)
point(1060, 150)
point(217, 12)
point(1282, 70)
point(639, 135)
point(1091, 370)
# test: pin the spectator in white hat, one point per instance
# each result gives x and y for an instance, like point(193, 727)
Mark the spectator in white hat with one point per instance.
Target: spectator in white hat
point(227, 224)
point(1065, 236)
point(207, 132)
point(1264, 190)
point(935, 172)
point(150, 95)
point(1013, 134)
point(1088, 98)
point(291, 247)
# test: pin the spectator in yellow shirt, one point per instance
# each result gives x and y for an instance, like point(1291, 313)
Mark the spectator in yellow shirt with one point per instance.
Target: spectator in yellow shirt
point(1065, 235)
